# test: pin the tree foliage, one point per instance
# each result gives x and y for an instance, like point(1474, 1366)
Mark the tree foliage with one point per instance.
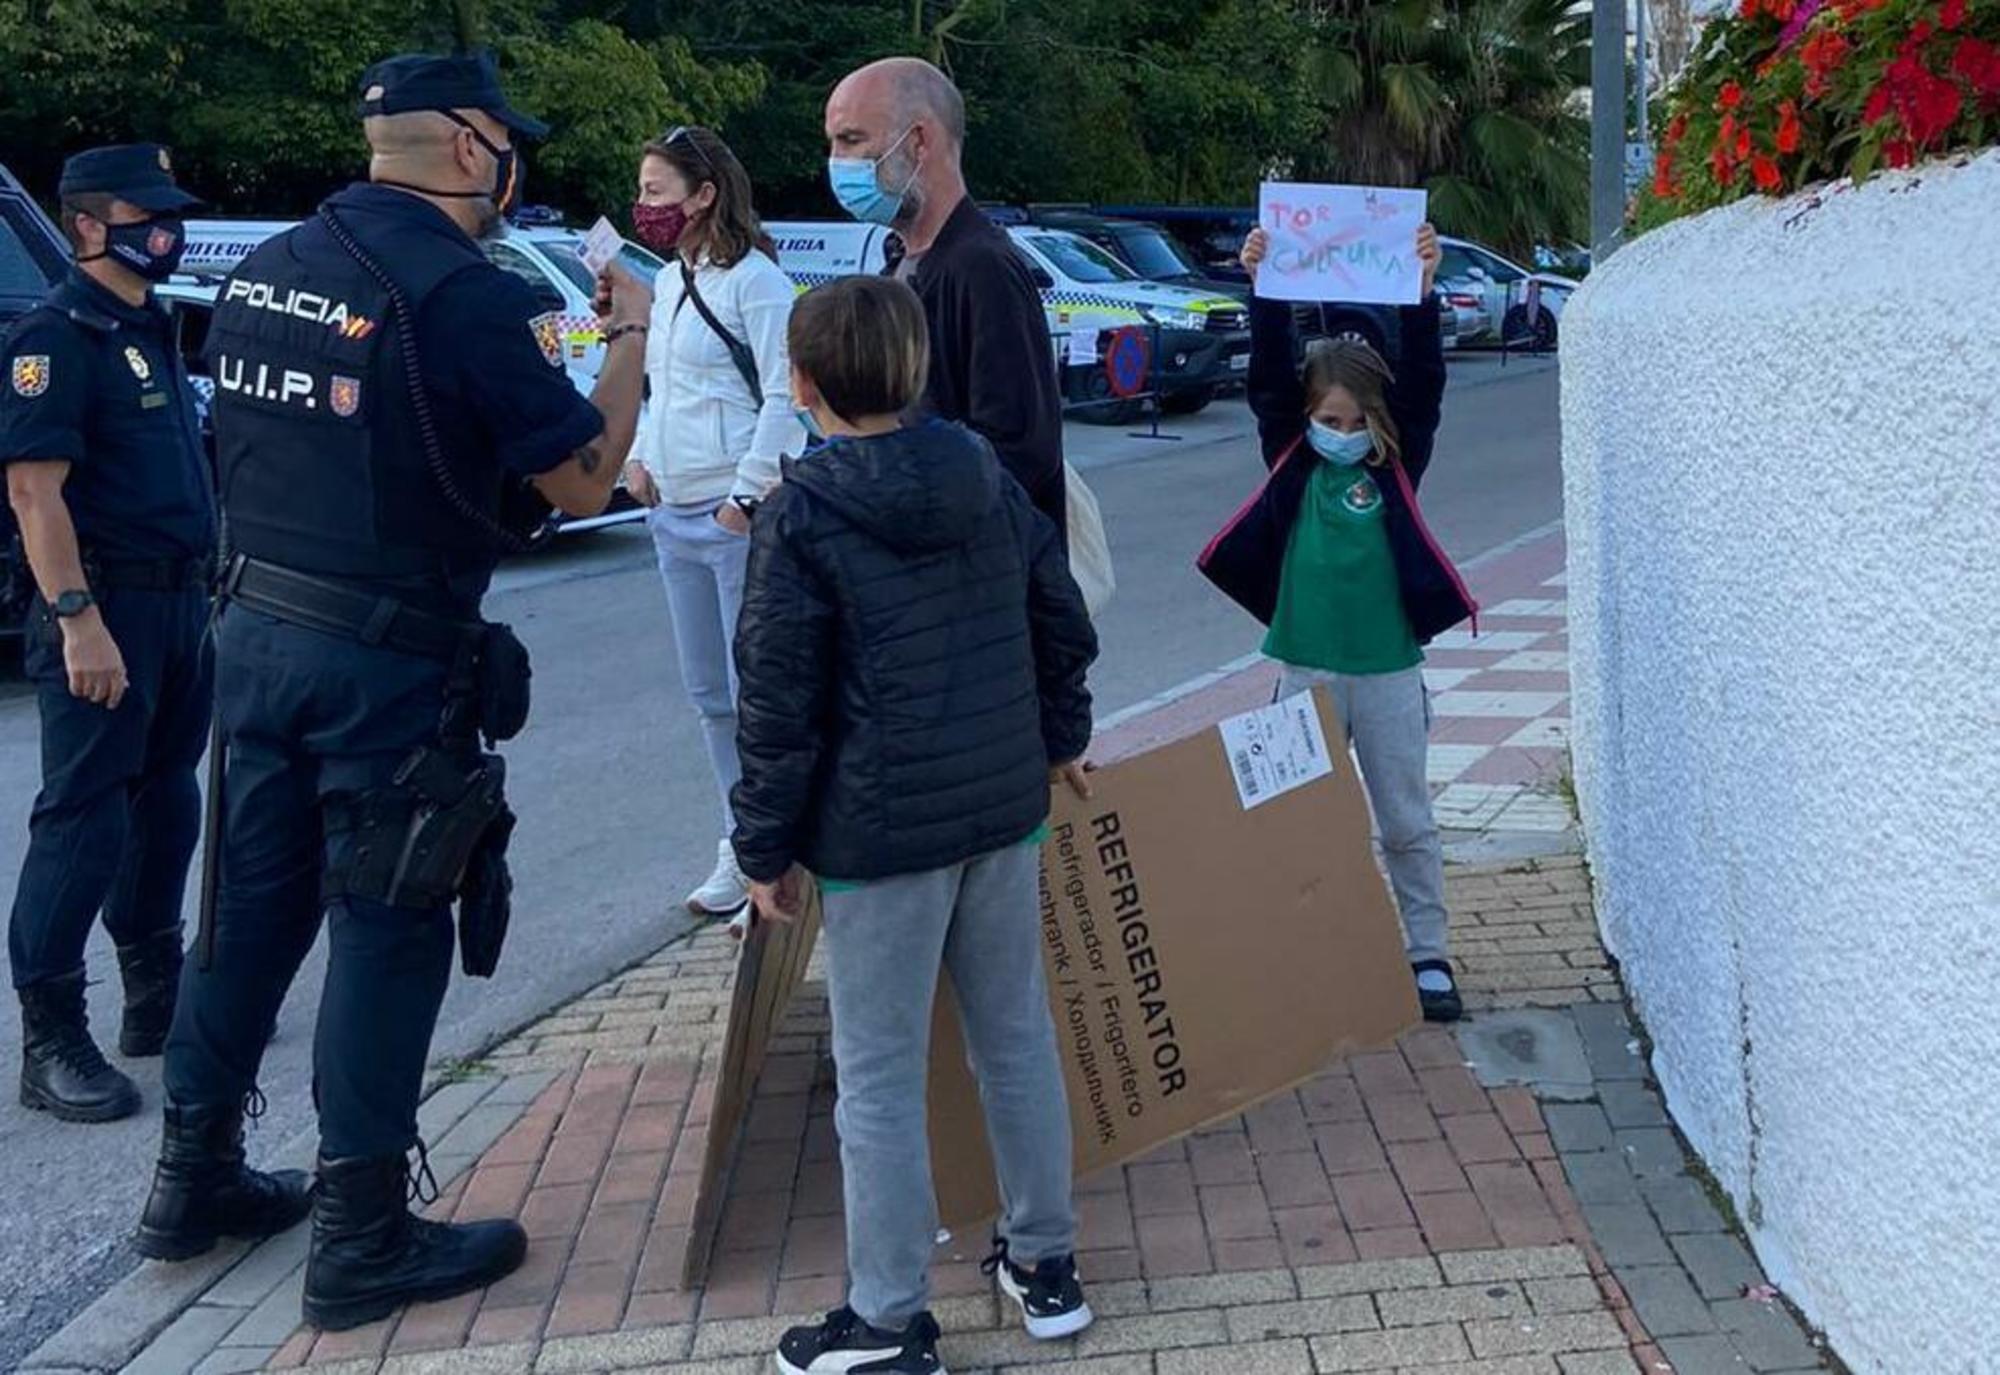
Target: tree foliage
point(1069, 100)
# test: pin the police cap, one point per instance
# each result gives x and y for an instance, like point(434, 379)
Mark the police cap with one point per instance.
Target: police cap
point(141, 174)
point(419, 81)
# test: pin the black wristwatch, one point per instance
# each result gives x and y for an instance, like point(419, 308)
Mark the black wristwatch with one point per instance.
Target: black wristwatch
point(72, 603)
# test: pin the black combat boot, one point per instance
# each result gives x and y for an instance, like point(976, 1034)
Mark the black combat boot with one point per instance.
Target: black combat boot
point(152, 972)
point(62, 1070)
point(202, 1190)
point(371, 1256)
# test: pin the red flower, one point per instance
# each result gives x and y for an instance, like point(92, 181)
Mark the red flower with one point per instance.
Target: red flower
point(1722, 166)
point(1750, 8)
point(1743, 143)
point(1727, 133)
point(1920, 34)
point(1824, 53)
point(1663, 177)
point(1731, 96)
point(1788, 128)
point(1978, 63)
point(1952, 14)
point(1899, 152)
point(1677, 129)
point(1766, 172)
point(1935, 107)
point(1878, 104)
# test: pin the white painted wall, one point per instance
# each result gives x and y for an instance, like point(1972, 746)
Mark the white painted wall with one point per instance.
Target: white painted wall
point(1781, 447)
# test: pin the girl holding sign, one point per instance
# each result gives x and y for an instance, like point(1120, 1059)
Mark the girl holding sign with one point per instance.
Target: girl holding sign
point(1333, 555)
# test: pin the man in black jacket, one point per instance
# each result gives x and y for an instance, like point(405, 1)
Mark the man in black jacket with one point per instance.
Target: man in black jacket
point(896, 129)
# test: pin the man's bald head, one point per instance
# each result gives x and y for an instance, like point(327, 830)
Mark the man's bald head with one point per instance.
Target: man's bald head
point(886, 98)
point(429, 152)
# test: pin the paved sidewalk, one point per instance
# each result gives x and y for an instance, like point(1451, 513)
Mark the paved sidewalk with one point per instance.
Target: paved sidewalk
point(1508, 1199)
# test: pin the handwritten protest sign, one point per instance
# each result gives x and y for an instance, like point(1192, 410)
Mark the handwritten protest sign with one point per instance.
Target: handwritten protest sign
point(1341, 243)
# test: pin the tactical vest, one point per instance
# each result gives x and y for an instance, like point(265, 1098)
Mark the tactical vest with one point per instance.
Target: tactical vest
point(322, 465)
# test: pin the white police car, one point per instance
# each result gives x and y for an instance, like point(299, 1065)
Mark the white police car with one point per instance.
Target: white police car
point(1199, 340)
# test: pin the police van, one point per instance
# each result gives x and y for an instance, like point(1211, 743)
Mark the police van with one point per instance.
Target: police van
point(1200, 340)
point(540, 251)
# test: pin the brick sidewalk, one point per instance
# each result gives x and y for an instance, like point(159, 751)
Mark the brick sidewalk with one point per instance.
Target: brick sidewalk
point(1391, 1214)
point(1395, 1214)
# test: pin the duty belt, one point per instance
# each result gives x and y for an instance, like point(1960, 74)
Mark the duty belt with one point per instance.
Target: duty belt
point(155, 575)
point(340, 609)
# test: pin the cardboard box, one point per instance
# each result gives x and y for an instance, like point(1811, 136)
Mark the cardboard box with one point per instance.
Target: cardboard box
point(768, 972)
point(1215, 931)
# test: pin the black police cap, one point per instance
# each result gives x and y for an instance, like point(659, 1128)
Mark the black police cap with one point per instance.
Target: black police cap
point(419, 81)
point(139, 173)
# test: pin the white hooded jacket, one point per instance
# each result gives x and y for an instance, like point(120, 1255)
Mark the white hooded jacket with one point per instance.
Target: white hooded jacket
point(704, 438)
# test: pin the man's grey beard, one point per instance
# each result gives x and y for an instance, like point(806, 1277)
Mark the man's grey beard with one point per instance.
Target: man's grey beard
point(911, 207)
point(492, 224)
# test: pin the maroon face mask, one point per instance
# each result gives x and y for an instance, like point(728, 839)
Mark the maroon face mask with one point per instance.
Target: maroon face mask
point(659, 227)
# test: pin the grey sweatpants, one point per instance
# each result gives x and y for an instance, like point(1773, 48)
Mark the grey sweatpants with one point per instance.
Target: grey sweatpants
point(1388, 720)
point(885, 943)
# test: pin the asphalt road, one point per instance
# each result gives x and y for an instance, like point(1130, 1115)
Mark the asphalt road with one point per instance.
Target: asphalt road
point(618, 816)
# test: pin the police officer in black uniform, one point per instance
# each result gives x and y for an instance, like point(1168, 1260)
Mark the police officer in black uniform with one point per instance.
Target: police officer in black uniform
point(380, 388)
point(108, 480)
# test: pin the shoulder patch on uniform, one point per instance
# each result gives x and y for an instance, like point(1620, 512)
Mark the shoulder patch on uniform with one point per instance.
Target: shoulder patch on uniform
point(137, 361)
point(343, 395)
point(547, 329)
point(30, 374)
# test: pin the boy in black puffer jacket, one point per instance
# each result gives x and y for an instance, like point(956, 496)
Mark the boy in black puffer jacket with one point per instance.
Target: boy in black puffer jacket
point(911, 659)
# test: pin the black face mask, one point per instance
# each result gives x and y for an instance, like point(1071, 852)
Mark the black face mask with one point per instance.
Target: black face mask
point(148, 248)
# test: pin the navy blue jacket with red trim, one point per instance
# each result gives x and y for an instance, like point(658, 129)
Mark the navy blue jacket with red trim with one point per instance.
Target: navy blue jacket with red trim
point(1246, 560)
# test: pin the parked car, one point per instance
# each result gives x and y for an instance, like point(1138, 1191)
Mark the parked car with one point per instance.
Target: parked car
point(1465, 300)
point(1146, 248)
point(1201, 340)
point(1502, 287)
point(33, 258)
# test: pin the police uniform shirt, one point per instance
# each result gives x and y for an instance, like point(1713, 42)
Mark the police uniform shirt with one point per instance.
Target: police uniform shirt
point(492, 358)
point(88, 380)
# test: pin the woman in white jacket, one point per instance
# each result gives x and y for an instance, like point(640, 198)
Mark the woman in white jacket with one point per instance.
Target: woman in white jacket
point(719, 418)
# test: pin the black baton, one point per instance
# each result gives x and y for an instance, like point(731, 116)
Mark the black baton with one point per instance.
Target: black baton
point(211, 849)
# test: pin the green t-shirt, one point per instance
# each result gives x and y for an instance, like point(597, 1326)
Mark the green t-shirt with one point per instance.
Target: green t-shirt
point(1339, 606)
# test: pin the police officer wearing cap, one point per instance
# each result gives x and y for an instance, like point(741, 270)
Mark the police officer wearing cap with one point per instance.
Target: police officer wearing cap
point(108, 481)
point(380, 388)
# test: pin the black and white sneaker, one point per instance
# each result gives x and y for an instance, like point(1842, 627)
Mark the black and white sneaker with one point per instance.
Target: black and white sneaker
point(1050, 1295)
point(845, 1345)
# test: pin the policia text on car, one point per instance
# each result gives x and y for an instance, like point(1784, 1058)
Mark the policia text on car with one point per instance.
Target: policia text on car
point(373, 451)
point(106, 476)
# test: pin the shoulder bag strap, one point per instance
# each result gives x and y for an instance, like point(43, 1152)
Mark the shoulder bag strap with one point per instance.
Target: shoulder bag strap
point(739, 352)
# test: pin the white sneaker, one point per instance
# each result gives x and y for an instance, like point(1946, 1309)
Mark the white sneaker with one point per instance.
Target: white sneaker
point(726, 891)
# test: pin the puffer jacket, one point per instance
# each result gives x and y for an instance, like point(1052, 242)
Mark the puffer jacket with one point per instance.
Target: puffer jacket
point(911, 660)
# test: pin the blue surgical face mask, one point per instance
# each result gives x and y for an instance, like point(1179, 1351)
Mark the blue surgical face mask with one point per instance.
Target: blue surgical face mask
point(857, 185)
point(805, 418)
point(1335, 447)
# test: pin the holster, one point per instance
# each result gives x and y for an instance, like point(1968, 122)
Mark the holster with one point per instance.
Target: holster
point(413, 841)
